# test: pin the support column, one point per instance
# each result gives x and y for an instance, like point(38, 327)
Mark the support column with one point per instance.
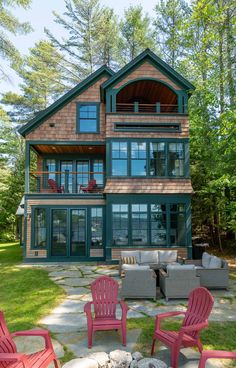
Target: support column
point(27, 167)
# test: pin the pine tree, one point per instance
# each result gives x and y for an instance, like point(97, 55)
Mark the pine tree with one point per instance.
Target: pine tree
point(42, 83)
point(136, 34)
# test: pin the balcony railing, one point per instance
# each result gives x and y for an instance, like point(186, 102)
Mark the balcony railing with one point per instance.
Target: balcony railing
point(146, 108)
point(67, 182)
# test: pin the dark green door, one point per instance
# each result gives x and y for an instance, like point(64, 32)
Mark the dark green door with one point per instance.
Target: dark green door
point(78, 246)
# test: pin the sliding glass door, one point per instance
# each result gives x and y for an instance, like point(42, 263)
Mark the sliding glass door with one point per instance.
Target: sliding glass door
point(78, 233)
point(59, 232)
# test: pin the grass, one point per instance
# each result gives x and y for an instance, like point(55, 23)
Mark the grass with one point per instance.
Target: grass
point(26, 294)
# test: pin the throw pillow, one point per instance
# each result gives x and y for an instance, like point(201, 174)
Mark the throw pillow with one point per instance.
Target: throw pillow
point(206, 257)
point(149, 256)
point(215, 262)
point(128, 260)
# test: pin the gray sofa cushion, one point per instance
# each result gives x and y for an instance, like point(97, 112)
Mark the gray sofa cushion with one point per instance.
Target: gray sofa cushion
point(215, 262)
point(149, 256)
point(126, 267)
point(131, 253)
point(180, 267)
point(167, 256)
point(206, 257)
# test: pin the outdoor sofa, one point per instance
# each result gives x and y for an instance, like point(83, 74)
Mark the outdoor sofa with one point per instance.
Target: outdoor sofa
point(154, 259)
point(213, 271)
point(178, 281)
point(139, 283)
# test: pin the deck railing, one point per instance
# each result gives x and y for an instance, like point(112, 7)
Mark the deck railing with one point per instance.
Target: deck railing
point(136, 107)
point(61, 182)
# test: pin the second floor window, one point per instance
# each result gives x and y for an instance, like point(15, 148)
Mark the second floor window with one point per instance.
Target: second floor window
point(87, 118)
point(138, 159)
point(119, 158)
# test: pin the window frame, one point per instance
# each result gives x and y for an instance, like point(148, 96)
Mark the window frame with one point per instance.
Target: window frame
point(78, 105)
point(33, 232)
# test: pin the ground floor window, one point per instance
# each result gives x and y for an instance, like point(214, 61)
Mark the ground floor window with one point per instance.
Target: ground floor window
point(96, 228)
point(160, 224)
point(40, 228)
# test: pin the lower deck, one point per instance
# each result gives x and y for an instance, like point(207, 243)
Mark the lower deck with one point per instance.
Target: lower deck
point(97, 229)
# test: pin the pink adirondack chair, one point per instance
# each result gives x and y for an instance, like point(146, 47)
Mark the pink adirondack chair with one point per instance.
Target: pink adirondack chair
point(55, 188)
point(215, 354)
point(90, 187)
point(199, 307)
point(104, 293)
point(9, 358)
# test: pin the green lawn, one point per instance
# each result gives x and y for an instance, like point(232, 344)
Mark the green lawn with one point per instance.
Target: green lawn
point(26, 294)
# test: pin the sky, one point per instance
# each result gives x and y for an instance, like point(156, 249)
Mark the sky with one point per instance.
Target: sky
point(40, 16)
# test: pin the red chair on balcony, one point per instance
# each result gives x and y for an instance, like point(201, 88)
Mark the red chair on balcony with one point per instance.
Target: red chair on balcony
point(89, 188)
point(9, 358)
point(104, 293)
point(215, 354)
point(199, 308)
point(55, 188)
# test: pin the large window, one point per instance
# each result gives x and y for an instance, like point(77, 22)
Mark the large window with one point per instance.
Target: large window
point(152, 159)
point(139, 224)
point(177, 224)
point(87, 118)
point(59, 233)
point(158, 224)
point(158, 159)
point(119, 158)
point(82, 174)
point(51, 169)
point(138, 159)
point(98, 171)
point(120, 224)
point(176, 159)
point(96, 228)
point(40, 228)
point(66, 175)
point(78, 233)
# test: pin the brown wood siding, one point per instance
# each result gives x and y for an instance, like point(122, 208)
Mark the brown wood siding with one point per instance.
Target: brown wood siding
point(96, 253)
point(116, 118)
point(148, 186)
point(149, 71)
point(64, 120)
point(115, 252)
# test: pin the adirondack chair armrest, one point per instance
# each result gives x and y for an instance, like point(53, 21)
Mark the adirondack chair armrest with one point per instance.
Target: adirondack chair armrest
point(8, 357)
point(195, 327)
point(218, 354)
point(124, 308)
point(87, 310)
point(43, 333)
point(161, 316)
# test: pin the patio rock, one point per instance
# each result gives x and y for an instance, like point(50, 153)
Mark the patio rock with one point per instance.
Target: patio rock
point(81, 363)
point(101, 357)
point(151, 363)
point(137, 356)
point(31, 344)
point(120, 359)
point(133, 364)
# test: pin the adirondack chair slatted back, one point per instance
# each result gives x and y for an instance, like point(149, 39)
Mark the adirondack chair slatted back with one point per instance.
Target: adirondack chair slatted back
point(91, 184)
point(104, 293)
point(53, 185)
point(199, 308)
point(7, 344)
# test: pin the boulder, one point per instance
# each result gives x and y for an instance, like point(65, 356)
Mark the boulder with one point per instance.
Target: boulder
point(101, 357)
point(120, 359)
point(137, 356)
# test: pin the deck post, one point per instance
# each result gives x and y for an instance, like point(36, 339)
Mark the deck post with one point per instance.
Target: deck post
point(66, 181)
point(158, 107)
point(136, 106)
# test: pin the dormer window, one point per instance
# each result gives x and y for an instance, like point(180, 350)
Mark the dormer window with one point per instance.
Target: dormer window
point(88, 117)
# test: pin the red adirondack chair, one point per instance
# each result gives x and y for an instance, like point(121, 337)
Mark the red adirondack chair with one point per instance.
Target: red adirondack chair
point(215, 354)
point(53, 185)
point(90, 187)
point(104, 293)
point(199, 307)
point(9, 358)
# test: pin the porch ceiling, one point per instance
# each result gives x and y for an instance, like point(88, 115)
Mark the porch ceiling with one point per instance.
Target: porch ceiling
point(60, 149)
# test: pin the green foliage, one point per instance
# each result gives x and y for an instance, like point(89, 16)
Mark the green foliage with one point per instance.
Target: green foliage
point(26, 294)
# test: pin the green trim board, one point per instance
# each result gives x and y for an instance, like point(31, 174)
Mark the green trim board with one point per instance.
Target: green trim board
point(169, 127)
point(82, 86)
point(78, 117)
point(160, 64)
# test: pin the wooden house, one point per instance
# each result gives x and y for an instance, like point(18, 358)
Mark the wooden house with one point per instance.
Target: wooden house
point(107, 166)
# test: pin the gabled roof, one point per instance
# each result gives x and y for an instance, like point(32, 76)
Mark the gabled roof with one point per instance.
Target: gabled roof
point(79, 88)
point(154, 59)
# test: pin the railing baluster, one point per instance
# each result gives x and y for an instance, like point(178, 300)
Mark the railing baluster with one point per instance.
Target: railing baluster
point(66, 181)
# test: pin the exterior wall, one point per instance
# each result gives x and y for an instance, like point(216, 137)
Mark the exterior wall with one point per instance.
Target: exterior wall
point(149, 71)
point(138, 118)
point(64, 203)
point(65, 120)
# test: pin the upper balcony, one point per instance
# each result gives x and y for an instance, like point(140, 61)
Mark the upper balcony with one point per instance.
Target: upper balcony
point(146, 96)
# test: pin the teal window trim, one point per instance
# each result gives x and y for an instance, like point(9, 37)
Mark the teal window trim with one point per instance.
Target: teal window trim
point(153, 200)
point(78, 106)
point(186, 169)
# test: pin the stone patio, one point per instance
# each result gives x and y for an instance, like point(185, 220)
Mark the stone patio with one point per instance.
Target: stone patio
point(68, 323)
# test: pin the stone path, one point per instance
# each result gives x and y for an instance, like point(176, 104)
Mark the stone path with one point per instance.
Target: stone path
point(68, 322)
